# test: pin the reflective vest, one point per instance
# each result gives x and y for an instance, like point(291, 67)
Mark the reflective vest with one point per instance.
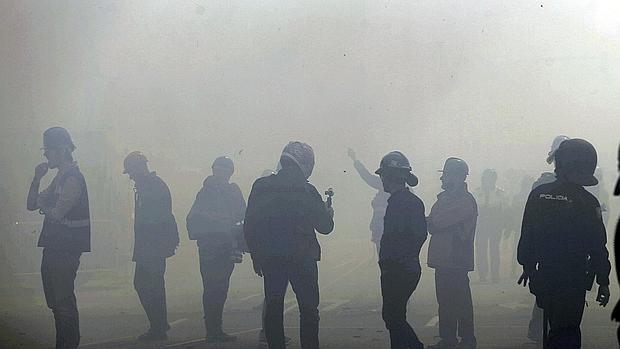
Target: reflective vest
point(72, 233)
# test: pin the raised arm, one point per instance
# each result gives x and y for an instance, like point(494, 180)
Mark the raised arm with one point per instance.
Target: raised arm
point(371, 179)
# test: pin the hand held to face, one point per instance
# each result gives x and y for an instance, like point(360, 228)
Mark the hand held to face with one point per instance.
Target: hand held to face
point(41, 170)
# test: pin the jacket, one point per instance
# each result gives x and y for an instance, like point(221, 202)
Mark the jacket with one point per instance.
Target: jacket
point(563, 237)
point(452, 226)
point(155, 228)
point(284, 211)
point(404, 230)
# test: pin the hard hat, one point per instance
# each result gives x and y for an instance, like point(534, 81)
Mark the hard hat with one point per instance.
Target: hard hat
point(397, 162)
point(132, 159)
point(576, 160)
point(224, 162)
point(455, 166)
point(394, 160)
point(57, 137)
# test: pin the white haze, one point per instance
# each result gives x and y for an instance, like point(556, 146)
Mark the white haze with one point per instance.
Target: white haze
point(491, 81)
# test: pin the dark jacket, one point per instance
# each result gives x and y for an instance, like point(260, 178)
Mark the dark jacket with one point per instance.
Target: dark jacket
point(562, 229)
point(452, 225)
point(155, 228)
point(284, 210)
point(404, 230)
point(215, 217)
point(72, 231)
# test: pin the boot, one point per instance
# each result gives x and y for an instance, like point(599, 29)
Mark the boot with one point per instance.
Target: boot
point(219, 337)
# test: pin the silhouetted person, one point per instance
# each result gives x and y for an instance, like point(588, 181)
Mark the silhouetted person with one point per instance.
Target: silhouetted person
point(65, 234)
point(378, 203)
point(452, 225)
point(156, 239)
point(261, 335)
point(215, 222)
point(562, 245)
point(404, 234)
point(535, 327)
point(284, 211)
point(492, 204)
point(615, 315)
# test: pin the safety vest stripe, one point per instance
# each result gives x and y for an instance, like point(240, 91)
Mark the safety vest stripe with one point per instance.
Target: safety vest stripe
point(77, 223)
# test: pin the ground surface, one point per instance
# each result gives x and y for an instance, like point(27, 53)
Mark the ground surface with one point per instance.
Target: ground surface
point(350, 309)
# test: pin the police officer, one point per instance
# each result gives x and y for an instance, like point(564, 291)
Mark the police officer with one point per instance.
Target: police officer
point(284, 211)
point(452, 225)
point(156, 238)
point(616, 312)
point(404, 234)
point(535, 327)
point(65, 234)
point(562, 245)
point(378, 203)
point(214, 221)
point(491, 222)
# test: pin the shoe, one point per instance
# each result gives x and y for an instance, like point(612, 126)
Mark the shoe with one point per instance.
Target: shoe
point(220, 337)
point(467, 344)
point(263, 340)
point(442, 344)
point(534, 337)
point(151, 336)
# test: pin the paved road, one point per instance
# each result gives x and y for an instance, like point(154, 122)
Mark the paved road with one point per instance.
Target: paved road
point(350, 309)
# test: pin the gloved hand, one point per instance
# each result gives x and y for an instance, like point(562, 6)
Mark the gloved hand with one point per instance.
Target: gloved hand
point(603, 295)
point(525, 277)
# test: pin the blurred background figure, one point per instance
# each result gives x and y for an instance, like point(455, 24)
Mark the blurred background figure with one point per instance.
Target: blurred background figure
point(514, 216)
point(491, 223)
point(601, 193)
point(156, 239)
point(215, 222)
point(378, 203)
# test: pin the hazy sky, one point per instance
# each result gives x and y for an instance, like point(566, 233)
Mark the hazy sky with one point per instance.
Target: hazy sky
point(190, 80)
